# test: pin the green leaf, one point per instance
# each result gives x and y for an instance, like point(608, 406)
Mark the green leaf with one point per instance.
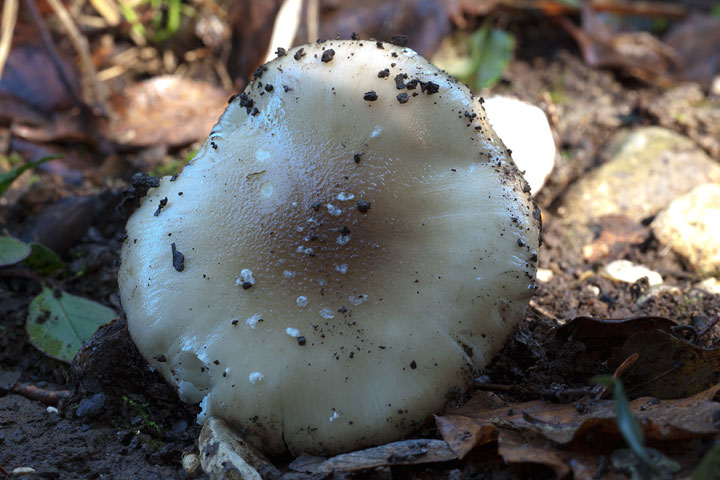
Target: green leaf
point(7, 178)
point(709, 468)
point(491, 51)
point(44, 260)
point(12, 251)
point(59, 323)
point(630, 429)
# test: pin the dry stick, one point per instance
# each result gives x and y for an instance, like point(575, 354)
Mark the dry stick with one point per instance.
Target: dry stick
point(285, 27)
point(93, 91)
point(313, 20)
point(48, 397)
point(54, 54)
point(9, 17)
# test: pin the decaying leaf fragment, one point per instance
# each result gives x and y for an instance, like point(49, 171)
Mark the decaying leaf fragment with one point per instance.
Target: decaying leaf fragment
point(522, 429)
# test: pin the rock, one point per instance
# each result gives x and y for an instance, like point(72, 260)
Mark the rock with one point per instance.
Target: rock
point(544, 275)
point(658, 291)
point(691, 227)
point(191, 464)
point(92, 406)
point(686, 108)
point(22, 471)
point(647, 169)
point(629, 272)
point(525, 130)
point(710, 285)
point(225, 455)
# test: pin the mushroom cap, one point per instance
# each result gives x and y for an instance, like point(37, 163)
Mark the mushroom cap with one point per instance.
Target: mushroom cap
point(341, 255)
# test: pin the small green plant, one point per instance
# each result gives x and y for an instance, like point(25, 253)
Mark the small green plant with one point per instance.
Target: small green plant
point(478, 59)
point(7, 178)
point(140, 407)
point(165, 18)
point(656, 464)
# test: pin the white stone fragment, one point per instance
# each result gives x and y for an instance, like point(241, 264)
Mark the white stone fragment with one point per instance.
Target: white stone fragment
point(629, 272)
point(525, 130)
point(544, 275)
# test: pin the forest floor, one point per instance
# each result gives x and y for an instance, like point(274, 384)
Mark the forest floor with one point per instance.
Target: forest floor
point(139, 429)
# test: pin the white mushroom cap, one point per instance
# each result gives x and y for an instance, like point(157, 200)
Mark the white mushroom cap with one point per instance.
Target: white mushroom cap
point(349, 258)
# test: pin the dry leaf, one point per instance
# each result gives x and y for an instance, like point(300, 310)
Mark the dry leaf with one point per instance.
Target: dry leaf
point(668, 367)
point(574, 425)
point(166, 110)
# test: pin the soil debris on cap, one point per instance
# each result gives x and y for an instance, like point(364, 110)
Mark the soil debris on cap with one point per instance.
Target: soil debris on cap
point(328, 55)
point(178, 258)
point(403, 97)
point(363, 206)
point(299, 54)
point(370, 96)
point(357, 157)
point(161, 205)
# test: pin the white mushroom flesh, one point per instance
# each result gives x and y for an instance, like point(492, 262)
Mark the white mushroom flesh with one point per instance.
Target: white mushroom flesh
point(390, 238)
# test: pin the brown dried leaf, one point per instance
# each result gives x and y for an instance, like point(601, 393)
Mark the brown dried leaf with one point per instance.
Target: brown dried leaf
point(30, 77)
point(697, 42)
point(618, 234)
point(425, 22)
point(668, 367)
point(166, 110)
point(602, 336)
point(568, 425)
point(527, 447)
point(637, 53)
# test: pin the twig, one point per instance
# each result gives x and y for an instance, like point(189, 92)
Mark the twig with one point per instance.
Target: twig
point(493, 387)
point(285, 27)
point(48, 397)
point(9, 17)
point(543, 311)
point(93, 91)
point(313, 20)
point(712, 323)
point(54, 54)
point(626, 365)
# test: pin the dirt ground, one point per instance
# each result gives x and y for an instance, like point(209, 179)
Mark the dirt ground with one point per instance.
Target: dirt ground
point(140, 429)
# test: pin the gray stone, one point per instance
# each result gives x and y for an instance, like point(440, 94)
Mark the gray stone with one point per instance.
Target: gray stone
point(92, 406)
point(647, 169)
point(691, 227)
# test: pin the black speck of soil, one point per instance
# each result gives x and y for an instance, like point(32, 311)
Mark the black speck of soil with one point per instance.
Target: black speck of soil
point(413, 365)
point(258, 73)
point(403, 97)
point(370, 96)
point(363, 206)
point(357, 157)
point(354, 36)
point(328, 55)
point(268, 87)
point(384, 73)
point(299, 54)
point(280, 52)
point(301, 340)
point(379, 45)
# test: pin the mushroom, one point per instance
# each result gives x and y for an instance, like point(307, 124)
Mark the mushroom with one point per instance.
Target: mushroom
point(349, 246)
